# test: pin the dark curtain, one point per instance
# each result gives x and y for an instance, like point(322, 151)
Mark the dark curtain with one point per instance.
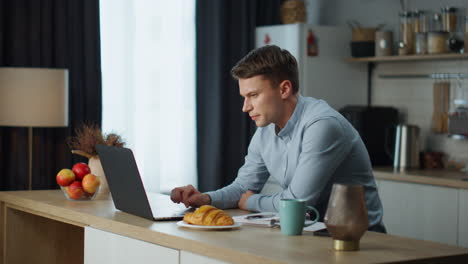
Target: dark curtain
point(50, 34)
point(225, 33)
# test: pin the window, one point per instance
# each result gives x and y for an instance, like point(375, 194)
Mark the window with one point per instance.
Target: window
point(148, 79)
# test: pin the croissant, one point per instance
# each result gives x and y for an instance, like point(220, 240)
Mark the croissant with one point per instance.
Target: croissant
point(208, 215)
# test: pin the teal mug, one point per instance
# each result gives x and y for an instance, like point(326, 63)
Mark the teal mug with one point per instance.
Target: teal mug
point(292, 216)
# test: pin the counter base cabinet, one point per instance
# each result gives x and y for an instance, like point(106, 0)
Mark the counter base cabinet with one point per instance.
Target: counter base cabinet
point(30, 238)
point(420, 211)
point(106, 247)
point(463, 219)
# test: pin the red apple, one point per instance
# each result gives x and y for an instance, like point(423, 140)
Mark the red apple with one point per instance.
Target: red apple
point(90, 183)
point(81, 169)
point(65, 177)
point(75, 190)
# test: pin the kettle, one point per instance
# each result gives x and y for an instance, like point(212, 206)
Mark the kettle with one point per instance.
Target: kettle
point(406, 153)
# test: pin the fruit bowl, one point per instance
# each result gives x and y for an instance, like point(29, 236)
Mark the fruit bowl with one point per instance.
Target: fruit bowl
point(79, 183)
point(76, 194)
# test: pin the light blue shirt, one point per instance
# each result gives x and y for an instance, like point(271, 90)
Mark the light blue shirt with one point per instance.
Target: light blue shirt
point(316, 148)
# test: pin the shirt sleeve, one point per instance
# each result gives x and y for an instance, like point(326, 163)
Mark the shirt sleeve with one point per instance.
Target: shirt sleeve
point(324, 147)
point(251, 176)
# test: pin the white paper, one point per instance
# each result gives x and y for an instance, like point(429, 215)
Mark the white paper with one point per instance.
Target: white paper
point(315, 227)
point(265, 219)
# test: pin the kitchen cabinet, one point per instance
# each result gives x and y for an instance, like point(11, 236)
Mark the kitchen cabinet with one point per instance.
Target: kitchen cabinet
point(463, 218)
point(106, 247)
point(420, 211)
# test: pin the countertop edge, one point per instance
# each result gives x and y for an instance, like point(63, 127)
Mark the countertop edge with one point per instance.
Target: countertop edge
point(436, 178)
point(130, 230)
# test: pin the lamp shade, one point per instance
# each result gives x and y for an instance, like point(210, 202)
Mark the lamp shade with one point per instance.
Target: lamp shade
point(33, 97)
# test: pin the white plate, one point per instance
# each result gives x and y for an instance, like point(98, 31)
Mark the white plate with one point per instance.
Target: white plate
point(184, 224)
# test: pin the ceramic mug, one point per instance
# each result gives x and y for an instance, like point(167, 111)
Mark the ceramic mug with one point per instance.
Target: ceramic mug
point(292, 216)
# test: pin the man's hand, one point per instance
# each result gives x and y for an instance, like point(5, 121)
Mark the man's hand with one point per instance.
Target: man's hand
point(243, 200)
point(189, 196)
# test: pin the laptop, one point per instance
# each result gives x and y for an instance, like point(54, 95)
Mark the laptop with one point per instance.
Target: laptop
point(127, 190)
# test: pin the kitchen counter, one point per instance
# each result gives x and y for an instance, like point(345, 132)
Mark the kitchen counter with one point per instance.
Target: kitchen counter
point(47, 217)
point(445, 178)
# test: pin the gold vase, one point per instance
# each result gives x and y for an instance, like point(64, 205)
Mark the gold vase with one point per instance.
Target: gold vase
point(94, 164)
point(346, 217)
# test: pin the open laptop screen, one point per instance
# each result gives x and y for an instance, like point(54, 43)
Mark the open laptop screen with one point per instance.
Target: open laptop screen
point(124, 180)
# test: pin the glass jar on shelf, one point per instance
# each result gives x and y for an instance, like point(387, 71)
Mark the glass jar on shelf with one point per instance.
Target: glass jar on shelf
point(436, 22)
point(449, 19)
point(421, 27)
point(421, 21)
point(407, 31)
point(437, 38)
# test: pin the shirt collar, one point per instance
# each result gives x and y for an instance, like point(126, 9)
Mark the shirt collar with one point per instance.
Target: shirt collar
point(288, 129)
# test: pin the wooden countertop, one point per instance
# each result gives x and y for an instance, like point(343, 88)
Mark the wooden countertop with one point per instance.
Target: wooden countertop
point(244, 245)
point(446, 178)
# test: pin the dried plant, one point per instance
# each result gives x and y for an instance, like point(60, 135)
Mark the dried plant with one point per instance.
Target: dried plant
point(114, 140)
point(84, 143)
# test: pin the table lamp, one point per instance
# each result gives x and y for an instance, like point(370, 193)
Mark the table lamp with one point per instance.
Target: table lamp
point(33, 97)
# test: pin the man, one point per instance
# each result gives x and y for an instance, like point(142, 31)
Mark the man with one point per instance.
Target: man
point(300, 141)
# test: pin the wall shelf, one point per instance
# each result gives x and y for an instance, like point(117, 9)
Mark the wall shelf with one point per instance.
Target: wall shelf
point(449, 56)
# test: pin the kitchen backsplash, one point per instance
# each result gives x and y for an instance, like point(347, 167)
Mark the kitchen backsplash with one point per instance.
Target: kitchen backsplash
point(414, 99)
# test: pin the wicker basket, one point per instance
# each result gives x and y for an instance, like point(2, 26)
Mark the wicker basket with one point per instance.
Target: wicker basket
point(293, 11)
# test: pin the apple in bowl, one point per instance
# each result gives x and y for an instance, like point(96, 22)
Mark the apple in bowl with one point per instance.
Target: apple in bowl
point(76, 187)
point(81, 169)
point(65, 177)
point(90, 183)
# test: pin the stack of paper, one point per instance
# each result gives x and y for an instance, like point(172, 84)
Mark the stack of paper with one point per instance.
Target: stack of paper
point(259, 219)
point(267, 219)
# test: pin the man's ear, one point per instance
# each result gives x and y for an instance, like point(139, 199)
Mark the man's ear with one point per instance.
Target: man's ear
point(285, 89)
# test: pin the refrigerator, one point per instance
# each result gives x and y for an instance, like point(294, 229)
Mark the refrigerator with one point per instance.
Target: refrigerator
point(321, 52)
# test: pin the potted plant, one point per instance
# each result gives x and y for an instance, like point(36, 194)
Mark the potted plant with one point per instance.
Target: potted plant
point(84, 144)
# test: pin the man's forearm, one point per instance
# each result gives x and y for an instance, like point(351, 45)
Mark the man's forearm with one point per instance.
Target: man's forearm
point(227, 197)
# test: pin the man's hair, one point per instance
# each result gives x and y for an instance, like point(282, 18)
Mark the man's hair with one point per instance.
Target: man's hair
point(274, 63)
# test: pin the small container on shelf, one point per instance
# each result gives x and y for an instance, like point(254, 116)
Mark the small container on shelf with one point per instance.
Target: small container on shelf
point(421, 21)
point(450, 24)
point(383, 43)
point(449, 19)
point(437, 42)
point(436, 23)
point(421, 27)
point(421, 43)
point(407, 32)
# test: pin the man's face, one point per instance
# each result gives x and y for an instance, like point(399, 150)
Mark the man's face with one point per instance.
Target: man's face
point(261, 100)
